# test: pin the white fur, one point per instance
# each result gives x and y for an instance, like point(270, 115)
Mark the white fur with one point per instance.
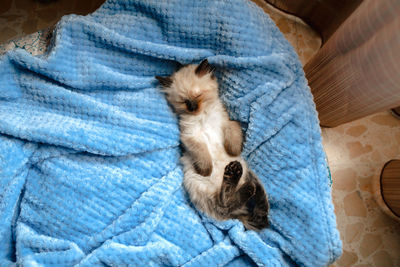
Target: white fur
point(207, 128)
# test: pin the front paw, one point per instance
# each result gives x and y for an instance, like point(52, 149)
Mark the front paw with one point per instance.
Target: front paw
point(233, 138)
point(233, 149)
point(203, 168)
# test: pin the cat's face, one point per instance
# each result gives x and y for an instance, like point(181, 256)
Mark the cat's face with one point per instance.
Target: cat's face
point(191, 88)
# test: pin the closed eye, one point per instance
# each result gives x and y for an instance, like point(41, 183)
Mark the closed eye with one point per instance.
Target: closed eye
point(194, 98)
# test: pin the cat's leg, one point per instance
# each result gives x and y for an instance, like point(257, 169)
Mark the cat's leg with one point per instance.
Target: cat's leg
point(230, 198)
point(255, 216)
point(233, 138)
point(200, 155)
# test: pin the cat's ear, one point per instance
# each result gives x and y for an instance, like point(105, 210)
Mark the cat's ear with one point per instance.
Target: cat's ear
point(164, 81)
point(179, 66)
point(203, 68)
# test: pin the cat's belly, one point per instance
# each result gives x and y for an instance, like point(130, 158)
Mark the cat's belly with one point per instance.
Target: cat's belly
point(214, 139)
point(209, 131)
point(202, 189)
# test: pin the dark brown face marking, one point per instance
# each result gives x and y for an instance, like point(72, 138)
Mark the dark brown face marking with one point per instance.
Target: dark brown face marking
point(203, 68)
point(164, 81)
point(191, 105)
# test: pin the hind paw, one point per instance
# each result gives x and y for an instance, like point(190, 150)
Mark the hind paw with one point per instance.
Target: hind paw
point(233, 171)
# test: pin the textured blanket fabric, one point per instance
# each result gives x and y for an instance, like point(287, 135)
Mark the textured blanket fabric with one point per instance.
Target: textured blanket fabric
point(89, 148)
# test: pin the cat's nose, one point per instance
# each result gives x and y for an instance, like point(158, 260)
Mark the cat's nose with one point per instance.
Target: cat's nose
point(191, 105)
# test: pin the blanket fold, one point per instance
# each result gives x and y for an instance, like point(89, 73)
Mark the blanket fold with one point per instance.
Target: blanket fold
point(89, 148)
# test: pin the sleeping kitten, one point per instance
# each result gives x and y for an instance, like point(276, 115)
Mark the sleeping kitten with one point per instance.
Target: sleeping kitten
point(217, 179)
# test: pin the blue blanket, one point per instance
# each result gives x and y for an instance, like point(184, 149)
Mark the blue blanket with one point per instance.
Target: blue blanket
point(89, 148)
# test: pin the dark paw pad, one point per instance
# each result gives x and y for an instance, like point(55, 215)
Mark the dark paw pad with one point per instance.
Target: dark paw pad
point(233, 171)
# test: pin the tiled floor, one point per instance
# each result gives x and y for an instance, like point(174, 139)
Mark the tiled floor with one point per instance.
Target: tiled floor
point(305, 41)
point(356, 151)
